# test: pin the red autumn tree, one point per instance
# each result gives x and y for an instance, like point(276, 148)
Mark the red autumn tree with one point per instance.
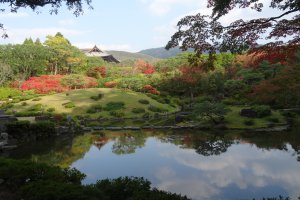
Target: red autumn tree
point(140, 66)
point(96, 72)
point(282, 90)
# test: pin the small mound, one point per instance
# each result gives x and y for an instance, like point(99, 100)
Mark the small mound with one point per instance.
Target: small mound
point(94, 102)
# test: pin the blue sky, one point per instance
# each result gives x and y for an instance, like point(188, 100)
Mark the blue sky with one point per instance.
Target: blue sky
point(130, 25)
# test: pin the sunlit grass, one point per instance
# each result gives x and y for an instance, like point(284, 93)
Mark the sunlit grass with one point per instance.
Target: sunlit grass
point(82, 101)
point(233, 119)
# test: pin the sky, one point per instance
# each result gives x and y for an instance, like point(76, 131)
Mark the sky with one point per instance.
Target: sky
point(127, 25)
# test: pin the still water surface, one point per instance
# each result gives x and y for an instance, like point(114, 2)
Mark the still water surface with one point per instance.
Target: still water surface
point(201, 165)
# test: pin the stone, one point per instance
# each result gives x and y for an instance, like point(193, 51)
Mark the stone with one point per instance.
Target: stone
point(4, 136)
point(247, 112)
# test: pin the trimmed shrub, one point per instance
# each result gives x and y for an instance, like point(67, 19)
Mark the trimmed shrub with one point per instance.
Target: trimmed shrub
point(144, 101)
point(262, 110)
point(50, 110)
point(96, 72)
point(110, 84)
point(289, 114)
point(156, 109)
point(28, 114)
point(98, 97)
point(249, 122)
point(6, 93)
point(114, 106)
point(138, 110)
point(69, 105)
point(35, 108)
point(94, 109)
point(273, 119)
point(117, 113)
point(36, 99)
point(146, 115)
point(150, 89)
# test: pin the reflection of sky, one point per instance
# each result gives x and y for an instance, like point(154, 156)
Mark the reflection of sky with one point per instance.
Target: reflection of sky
point(243, 172)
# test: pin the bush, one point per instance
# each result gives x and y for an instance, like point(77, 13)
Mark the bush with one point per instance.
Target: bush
point(114, 106)
point(35, 108)
point(94, 109)
point(50, 110)
point(144, 101)
point(44, 84)
point(35, 181)
point(6, 93)
point(77, 81)
point(156, 109)
point(138, 110)
point(98, 97)
point(273, 119)
point(146, 115)
point(117, 113)
point(69, 105)
point(289, 114)
point(262, 110)
point(37, 99)
point(150, 89)
point(28, 113)
point(96, 72)
point(249, 122)
point(110, 84)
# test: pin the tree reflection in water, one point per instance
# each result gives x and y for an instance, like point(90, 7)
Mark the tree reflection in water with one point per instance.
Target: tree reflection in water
point(128, 143)
point(212, 147)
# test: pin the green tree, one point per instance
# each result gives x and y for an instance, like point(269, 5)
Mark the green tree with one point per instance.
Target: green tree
point(25, 60)
point(6, 73)
point(210, 111)
point(65, 56)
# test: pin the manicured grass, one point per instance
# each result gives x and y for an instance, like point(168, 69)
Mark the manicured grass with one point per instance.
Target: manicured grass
point(82, 101)
point(234, 120)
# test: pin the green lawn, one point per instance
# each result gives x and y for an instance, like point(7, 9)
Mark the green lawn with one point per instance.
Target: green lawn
point(234, 120)
point(82, 101)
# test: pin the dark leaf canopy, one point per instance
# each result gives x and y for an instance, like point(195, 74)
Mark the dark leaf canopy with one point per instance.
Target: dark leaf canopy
point(75, 5)
point(205, 34)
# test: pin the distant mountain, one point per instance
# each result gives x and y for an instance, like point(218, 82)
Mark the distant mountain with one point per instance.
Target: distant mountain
point(162, 52)
point(123, 56)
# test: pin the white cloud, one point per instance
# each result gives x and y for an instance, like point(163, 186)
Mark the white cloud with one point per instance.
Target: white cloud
point(14, 15)
point(119, 47)
point(66, 22)
point(162, 7)
point(19, 35)
point(239, 166)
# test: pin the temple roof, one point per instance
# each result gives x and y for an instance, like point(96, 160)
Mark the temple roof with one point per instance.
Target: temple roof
point(96, 52)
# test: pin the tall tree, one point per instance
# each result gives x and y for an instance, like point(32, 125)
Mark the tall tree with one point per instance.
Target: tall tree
point(66, 56)
point(206, 33)
point(25, 60)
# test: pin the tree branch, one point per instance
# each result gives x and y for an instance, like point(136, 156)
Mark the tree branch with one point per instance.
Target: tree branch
point(263, 22)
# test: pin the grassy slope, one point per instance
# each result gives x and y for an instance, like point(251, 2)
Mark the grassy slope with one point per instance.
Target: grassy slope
point(234, 120)
point(82, 101)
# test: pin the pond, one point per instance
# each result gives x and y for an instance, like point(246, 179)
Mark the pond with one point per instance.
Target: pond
point(199, 164)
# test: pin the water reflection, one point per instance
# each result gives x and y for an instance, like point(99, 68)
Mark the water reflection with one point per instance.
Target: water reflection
point(201, 165)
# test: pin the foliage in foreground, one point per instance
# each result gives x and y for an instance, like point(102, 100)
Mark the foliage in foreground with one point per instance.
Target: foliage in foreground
point(34, 181)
